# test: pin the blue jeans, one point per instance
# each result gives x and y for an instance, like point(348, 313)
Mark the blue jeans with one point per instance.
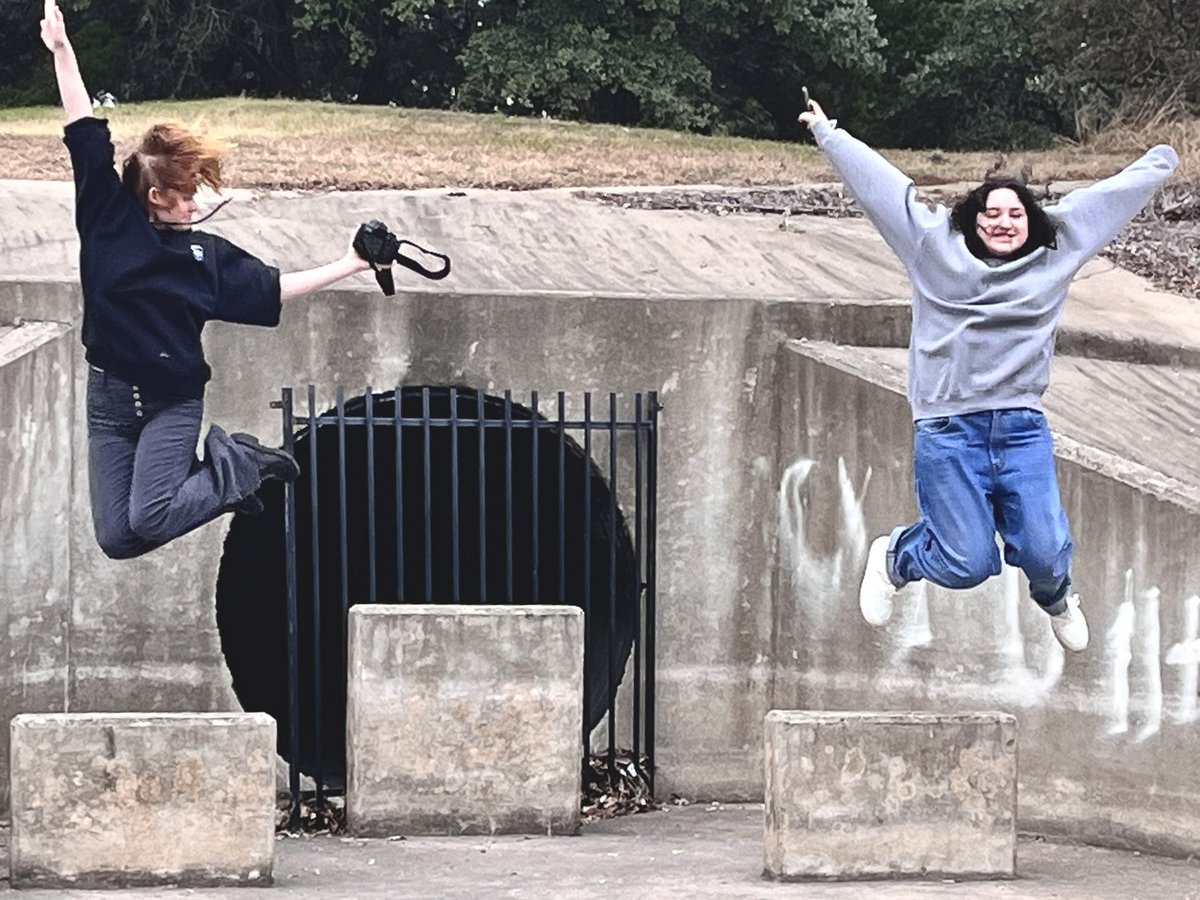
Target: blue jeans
point(147, 486)
point(976, 475)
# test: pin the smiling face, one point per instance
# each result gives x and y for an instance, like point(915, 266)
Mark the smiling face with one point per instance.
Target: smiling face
point(1003, 224)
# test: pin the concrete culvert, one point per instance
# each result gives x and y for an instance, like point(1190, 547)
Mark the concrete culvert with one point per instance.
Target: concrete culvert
point(251, 586)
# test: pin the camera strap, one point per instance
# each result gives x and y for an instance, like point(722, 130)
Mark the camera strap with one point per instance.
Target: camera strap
point(375, 243)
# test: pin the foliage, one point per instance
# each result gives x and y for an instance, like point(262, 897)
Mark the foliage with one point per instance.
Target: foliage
point(618, 72)
point(709, 65)
point(949, 73)
point(1104, 59)
point(963, 75)
point(401, 51)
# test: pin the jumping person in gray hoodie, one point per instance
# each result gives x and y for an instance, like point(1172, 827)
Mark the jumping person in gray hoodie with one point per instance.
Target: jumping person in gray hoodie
point(989, 280)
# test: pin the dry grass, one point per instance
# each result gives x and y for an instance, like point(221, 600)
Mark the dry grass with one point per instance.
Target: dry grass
point(1142, 125)
point(283, 143)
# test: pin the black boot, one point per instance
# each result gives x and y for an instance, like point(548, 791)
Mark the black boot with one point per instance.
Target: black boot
point(247, 506)
point(272, 463)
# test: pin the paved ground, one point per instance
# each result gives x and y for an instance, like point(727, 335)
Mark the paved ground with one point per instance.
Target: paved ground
point(686, 852)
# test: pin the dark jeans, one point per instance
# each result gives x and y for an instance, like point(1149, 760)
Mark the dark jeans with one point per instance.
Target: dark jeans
point(976, 475)
point(147, 485)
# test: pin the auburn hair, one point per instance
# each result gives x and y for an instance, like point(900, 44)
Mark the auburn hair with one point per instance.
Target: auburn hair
point(172, 157)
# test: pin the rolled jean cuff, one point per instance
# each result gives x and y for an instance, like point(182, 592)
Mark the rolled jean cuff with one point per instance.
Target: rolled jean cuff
point(1056, 605)
point(897, 533)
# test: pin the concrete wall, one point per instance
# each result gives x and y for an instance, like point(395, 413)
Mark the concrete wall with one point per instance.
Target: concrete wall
point(36, 440)
point(761, 537)
point(1104, 734)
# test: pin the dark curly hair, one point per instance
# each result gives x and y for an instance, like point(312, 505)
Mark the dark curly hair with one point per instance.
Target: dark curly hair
point(965, 215)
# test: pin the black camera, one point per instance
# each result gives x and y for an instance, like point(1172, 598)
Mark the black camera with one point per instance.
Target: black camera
point(376, 243)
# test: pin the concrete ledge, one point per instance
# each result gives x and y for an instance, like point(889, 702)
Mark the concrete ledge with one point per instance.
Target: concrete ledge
point(890, 795)
point(116, 800)
point(464, 719)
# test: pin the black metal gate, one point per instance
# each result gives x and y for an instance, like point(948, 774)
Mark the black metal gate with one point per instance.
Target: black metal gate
point(451, 495)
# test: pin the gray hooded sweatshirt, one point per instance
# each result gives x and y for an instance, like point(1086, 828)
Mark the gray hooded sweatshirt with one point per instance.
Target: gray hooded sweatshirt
point(983, 330)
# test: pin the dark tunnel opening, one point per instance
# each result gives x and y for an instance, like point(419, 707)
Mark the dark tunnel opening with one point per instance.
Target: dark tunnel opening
point(251, 586)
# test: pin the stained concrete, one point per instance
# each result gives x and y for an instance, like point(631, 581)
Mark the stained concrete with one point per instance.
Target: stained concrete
point(550, 292)
point(464, 719)
point(857, 795)
point(119, 800)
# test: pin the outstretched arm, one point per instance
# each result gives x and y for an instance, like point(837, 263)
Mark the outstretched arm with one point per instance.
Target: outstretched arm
point(1088, 218)
point(75, 100)
point(886, 195)
point(295, 284)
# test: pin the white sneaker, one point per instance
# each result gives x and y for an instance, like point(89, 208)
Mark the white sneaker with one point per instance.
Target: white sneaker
point(1070, 627)
point(877, 594)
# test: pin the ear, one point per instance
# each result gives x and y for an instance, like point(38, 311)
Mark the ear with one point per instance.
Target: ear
point(155, 197)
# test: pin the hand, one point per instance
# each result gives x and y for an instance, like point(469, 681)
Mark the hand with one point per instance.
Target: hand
point(813, 114)
point(356, 262)
point(54, 30)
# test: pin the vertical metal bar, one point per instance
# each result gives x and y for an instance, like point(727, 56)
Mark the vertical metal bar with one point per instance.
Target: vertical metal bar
point(508, 505)
point(428, 497)
point(638, 632)
point(398, 426)
point(479, 421)
point(343, 545)
point(587, 535)
point(343, 521)
point(562, 499)
point(534, 435)
point(455, 591)
point(369, 399)
point(612, 580)
point(293, 648)
point(651, 576)
point(319, 773)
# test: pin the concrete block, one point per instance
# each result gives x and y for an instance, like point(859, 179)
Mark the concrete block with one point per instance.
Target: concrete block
point(853, 795)
point(464, 719)
point(111, 800)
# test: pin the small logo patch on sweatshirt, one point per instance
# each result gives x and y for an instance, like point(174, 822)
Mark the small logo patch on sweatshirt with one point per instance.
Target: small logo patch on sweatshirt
point(198, 252)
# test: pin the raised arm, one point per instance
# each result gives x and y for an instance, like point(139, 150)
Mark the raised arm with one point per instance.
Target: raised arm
point(76, 102)
point(1088, 218)
point(886, 195)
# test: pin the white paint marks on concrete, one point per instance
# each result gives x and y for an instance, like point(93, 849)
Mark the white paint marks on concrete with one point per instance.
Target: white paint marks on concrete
point(854, 521)
point(1021, 685)
point(1151, 652)
point(1186, 655)
point(1120, 655)
point(1013, 646)
point(914, 630)
point(807, 571)
point(815, 577)
point(671, 384)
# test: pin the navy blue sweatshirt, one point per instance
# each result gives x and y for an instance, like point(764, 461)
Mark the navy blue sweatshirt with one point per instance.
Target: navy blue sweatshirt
point(147, 291)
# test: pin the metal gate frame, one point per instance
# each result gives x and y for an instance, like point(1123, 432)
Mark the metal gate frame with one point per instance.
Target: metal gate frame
point(643, 429)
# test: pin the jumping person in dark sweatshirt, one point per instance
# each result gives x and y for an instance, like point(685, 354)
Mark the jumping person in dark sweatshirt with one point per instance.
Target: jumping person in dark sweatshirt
point(989, 280)
point(150, 283)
